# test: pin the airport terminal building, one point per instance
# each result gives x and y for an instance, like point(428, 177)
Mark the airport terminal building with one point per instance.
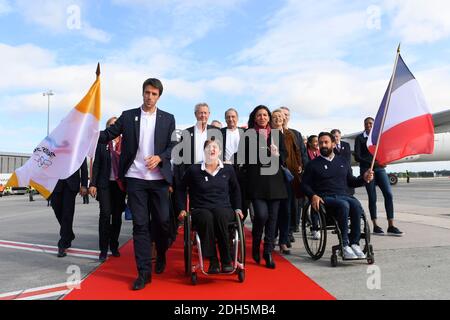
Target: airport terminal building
point(10, 161)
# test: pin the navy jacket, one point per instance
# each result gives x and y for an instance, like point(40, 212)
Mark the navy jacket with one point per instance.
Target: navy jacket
point(362, 153)
point(128, 125)
point(345, 151)
point(208, 192)
point(323, 177)
point(101, 168)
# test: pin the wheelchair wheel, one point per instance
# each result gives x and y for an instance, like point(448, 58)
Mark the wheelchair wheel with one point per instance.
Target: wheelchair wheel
point(241, 275)
point(334, 261)
point(194, 278)
point(187, 246)
point(314, 222)
point(241, 235)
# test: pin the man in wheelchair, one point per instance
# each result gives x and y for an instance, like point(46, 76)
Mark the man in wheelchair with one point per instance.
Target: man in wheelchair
point(326, 180)
point(214, 200)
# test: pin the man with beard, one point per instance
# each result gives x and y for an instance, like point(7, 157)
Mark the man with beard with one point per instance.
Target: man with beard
point(326, 180)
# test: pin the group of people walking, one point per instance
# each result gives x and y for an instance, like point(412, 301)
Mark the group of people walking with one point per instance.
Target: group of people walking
point(215, 174)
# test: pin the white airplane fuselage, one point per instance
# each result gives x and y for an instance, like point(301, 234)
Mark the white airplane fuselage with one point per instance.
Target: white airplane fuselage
point(441, 150)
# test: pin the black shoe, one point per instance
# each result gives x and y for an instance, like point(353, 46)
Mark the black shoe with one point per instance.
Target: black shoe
point(61, 253)
point(160, 264)
point(142, 280)
point(393, 231)
point(227, 267)
point(297, 229)
point(102, 257)
point(285, 251)
point(115, 253)
point(291, 238)
point(289, 245)
point(256, 252)
point(378, 231)
point(213, 266)
point(269, 261)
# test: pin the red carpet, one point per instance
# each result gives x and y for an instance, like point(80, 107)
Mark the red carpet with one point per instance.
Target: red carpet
point(113, 279)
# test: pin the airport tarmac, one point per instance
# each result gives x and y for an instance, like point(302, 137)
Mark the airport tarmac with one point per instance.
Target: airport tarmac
point(411, 267)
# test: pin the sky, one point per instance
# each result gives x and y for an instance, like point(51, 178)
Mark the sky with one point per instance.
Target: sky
point(329, 61)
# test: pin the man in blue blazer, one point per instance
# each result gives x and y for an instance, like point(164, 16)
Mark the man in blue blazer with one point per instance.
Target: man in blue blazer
point(145, 167)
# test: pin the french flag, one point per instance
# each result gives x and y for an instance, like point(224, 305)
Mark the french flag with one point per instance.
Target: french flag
point(408, 128)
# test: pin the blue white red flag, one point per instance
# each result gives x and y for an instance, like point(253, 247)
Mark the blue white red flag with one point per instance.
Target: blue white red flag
point(408, 128)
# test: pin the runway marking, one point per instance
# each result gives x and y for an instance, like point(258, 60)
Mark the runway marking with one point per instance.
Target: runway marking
point(81, 253)
point(40, 292)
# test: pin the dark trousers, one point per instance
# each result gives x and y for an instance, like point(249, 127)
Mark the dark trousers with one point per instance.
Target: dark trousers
point(112, 204)
point(266, 215)
point(345, 207)
point(381, 180)
point(242, 184)
point(63, 204)
point(212, 224)
point(149, 201)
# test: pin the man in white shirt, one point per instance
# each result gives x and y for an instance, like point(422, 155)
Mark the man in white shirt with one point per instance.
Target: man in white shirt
point(145, 167)
point(231, 136)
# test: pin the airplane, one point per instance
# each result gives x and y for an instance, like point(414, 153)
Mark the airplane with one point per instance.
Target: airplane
point(441, 144)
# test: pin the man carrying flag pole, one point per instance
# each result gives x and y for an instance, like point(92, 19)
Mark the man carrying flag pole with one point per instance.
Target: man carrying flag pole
point(405, 126)
point(58, 163)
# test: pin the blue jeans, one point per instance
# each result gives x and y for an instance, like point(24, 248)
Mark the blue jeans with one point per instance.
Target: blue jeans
point(381, 180)
point(345, 207)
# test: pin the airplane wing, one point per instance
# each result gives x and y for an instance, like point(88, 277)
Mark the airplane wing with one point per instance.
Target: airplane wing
point(441, 121)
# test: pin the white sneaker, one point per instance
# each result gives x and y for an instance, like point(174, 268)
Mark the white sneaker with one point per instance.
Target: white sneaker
point(315, 235)
point(349, 254)
point(357, 250)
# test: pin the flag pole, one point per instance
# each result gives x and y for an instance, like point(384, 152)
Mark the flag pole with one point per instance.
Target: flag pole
point(386, 109)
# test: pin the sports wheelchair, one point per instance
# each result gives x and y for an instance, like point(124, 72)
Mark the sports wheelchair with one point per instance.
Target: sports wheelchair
point(322, 222)
point(193, 249)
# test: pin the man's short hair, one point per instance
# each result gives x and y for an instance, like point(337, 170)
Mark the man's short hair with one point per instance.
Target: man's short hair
point(328, 134)
point(199, 105)
point(154, 83)
point(334, 131)
point(285, 108)
point(368, 118)
point(231, 110)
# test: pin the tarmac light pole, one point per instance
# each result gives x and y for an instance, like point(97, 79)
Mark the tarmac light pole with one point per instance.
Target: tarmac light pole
point(48, 94)
point(385, 109)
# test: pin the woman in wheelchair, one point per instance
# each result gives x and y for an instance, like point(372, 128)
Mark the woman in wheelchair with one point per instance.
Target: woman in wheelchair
point(325, 181)
point(214, 200)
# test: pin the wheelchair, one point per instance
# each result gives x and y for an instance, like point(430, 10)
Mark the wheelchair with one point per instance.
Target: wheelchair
point(322, 222)
point(193, 249)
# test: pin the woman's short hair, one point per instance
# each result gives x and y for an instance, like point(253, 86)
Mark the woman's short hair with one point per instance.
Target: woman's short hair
point(210, 141)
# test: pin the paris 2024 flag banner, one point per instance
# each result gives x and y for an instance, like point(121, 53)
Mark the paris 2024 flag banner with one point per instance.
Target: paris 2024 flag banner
point(60, 154)
point(408, 128)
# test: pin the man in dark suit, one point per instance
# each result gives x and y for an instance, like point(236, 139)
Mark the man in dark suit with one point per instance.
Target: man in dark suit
point(145, 167)
point(343, 149)
point(231, 137)
point(63, 204)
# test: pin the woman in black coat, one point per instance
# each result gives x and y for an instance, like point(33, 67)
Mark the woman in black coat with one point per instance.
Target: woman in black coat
point(110, 192)
point(265, 153)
